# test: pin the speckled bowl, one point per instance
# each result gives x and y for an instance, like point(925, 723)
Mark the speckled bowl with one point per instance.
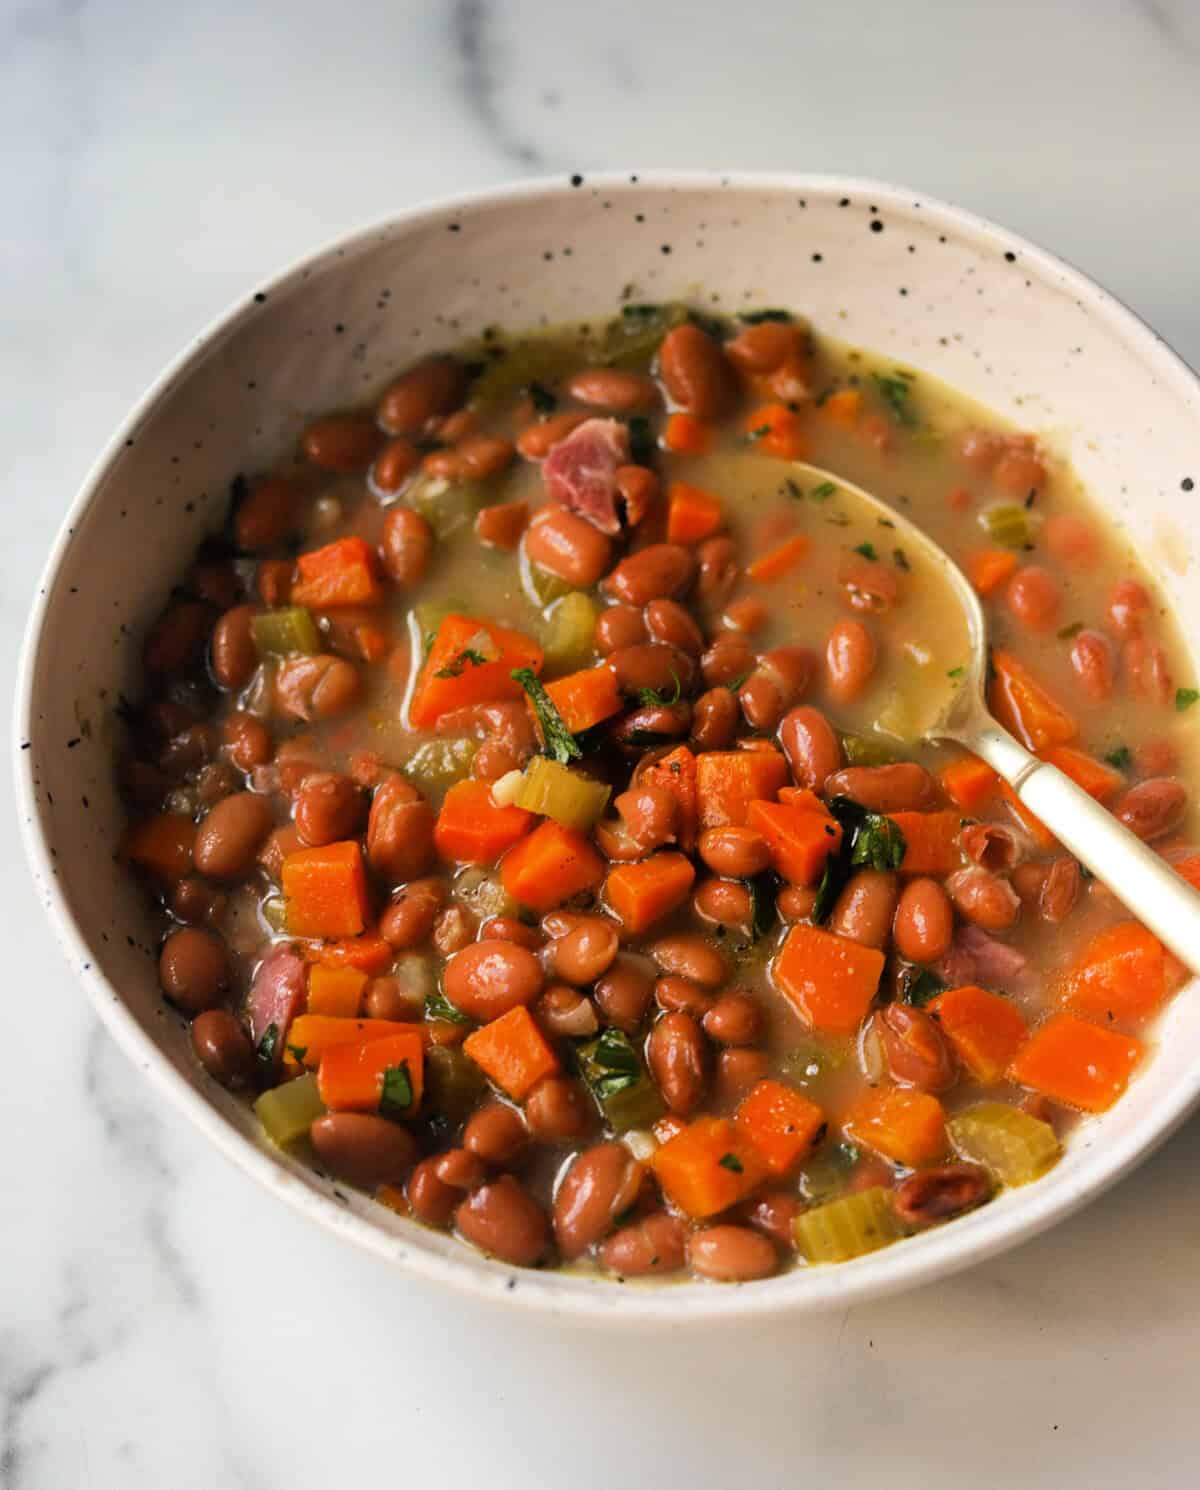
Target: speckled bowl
point(913, 278)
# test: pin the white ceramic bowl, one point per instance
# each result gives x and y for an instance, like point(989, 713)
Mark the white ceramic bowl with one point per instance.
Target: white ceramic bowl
point(877, 265)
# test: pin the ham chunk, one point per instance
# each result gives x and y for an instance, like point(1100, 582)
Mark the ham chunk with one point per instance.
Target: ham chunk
point(581, 471)
point(276, 996)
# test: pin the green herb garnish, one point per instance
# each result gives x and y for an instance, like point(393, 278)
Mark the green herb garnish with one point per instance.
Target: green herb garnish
point(900, 559)
point(396, 1091)
point(455, 668)
point(894, 392)
point(1185, 698)
point(438, 1006)
point(757, 433)
point(867, 550)
point(823, 491)
point(617, 1062)
point(731, 1162)
point(641, 440)
point(764, 890)
point(879, 843)
point(793, 488)
point(651, 697)
point(956, 672)
point(868, 838)
point(557, 740)
point(541, 398)
point(264, 1051)
point(757, 317)
point(297, 1053)
point(1120, 758)
point(919, 986)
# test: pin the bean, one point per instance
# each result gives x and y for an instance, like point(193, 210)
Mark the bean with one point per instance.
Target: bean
point(247, 739)
point(509, 929)
point(614, 389)
point(1128, 603)
point(430, 1199)
point(1155, 757)
point(558, 923)
point(230, 835)
point(1071, 539)
point(388, 998)
point(234, 655)
point(1152, 808)
point(762, 348)
point(1092, 663)
point(655, 1244)
point(780, 678)
point(737, 853)
point(432, 387)
point(811, 745)
point(916, 1051)
point(1035, 597)
point(735, 1019)
point(340, 442)
point(795, 902)
point(409, 916)
point(488, 979)
point(194, 900)
point(273, 581)
point(692, 957)
point(990, 845)
point(924, 925)
point(276, 847)
point(177, 638)
point(566, 545)
point(407, 546)
point(484, 456)
point(731, 1254)
point(586, 951)
point(558, 1109)
point(1148, 671)
point(1020, 469)
point(717, 571)
point(863, 911)
point(737, 1071)
point(328, 807)
point(933, 1195)
point(501, 525)
point(223, 1047)
point(714, 720)
point(394, 464)
point(748, 615)
point(600, 1183)
point(679, 996)
point(618, 627)
point(363, 1149)
point(565, 1012)
point(775, 1214)
point(868, 586)
point(850, 659)
point(728, 659)
point(194, 969)
point(319, 687)
point(399, 831)
point(497, 1134)
point(723, 902)
point(460, 1169)
point(902, 787)
point(216, 781)
point(189, 749)
point(536, 442)
point(268, 514)
point(637, 486)
point(623, 994)
point(656, 572)
point(693, 368)
point(453, 929)
point(1060, 889)
point(653, 721)
point(215, 583)
point(652, 665)
point(984, 899)
point(678, 1060)
point(649, 817)
point(667, 621)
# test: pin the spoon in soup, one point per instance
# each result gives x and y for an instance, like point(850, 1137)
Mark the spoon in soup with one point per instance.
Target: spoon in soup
point(952, 705)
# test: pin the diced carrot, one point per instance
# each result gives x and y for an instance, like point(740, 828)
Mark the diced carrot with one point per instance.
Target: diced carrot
point(779, 561)
point(1023, 706)
point(585, 698)
point(829, 980)
point(353, 1078)
point(843, 407)
point(708, 1167)
point(686, 435)
point(985, 1030)
point(1120, 975)
point(369, 953)
point(311, 1035)
point(336, 991)
point(1077, 1063)
point(800, 839)
point(692, 514)
point(344, 572)
point(1032, 824)
point(472, 829)
point(645, 892)
point(550, 865)
point(969, 782)
point(675, 772)
point(501, 525)
point(1097, 778)
point(325, 890)
point(512, 1052)
point(781, 1123)
point(727, 781)
point(777, 430)
point(902, 1124)
point(800, 796)
point(470, 662)
point(989, 568)
point(931, 841)
point(1189, 869)
point(162, 844)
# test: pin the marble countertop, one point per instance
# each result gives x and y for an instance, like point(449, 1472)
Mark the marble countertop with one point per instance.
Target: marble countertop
point(163, 1325)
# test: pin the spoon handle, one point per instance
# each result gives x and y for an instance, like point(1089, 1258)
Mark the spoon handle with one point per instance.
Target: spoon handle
point(1142, 881)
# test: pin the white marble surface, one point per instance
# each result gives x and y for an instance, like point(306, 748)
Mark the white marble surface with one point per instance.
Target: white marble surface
point(162, 1325)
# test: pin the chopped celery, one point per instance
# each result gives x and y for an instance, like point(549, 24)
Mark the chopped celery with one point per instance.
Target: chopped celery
point(847, 1227)
point(484, 893)
point(274, 912)
point(438, 764)
point(535, 359)
point(1014, 1145)
point(446, 505)
point(861, 750)
point(632, 338)
point(1007, 524)
point(572, 799)
point(279, 632)
point(453, 1083)
point(617, 1079)
point(417, 977)
point(542, 587)
point(287, 1111)
point(809, 1061)
point(569, 631)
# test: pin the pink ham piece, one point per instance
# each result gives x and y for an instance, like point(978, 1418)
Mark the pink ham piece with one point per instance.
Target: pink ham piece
point(977, 957)
point(276, 996)
point(581, 471)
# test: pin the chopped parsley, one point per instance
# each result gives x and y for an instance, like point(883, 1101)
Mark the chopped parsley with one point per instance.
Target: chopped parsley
point(731, 1162)
point(757, 317)
point(879, 843)
point(956, 672)
point(757, 433)
point(1065, 633)
point(615, 1065)
point(297, 1053)
point(396, 1091)
point(794, 489)
point(1120, 758)
point(764, 890)
point(641, 440)
point(264, 1051)
point(1185, 698)
point(557, 740)
point(640, 312)
point(918, 985)
point(900, 559)
point(438, 1006)
point(868, 839)
point(541, 398)
point(455, 668)
point(894, 391)
point(651, 697)
point(823, 491)
point(867, 550)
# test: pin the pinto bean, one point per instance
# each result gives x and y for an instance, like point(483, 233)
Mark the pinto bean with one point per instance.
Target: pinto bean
point(328, 807)
point(614, 389)
point(558, 1109)
point(194, 969)
point(1060, 889)
point(1147, 669)
point(795, 902)
point(1034, 597)
point(668, 622)
point(268, 514)
point(692, 957)
point(194, 900)
point(222, 1047)
point(656, 572)
point(748, 615)
point(234, 655)
point(850, 658)
point(273, 581)
point(899, 788)
point(738, 1069)
point(388, 998)
point(623, 993)
point(655, 1244)
point(775, 1214)
point(693, 368)
point(453, 929)
point(430, 1199)
point(781, 677)
point(717, 571)
point(724, 902)
point(215, 582)
point(678, 1060)
point(564, 1011)
point(230, 835)
point(863, 911)
point(407, 546)
point(363, 1149)
point(1152, 808)
point(653, 721)
point(915, 1049)
point(637, 487)
point(319, 687)
point(983, 898)
point(340, 442)
point(761, 348)
point(618, 627)
point(680, 996)
point(503, 1219)
point(731, 1254)
point(649, 817)
point(538, 440)
point(459, 1169)
point(509, 929)
point(924, 924)
point(811, 745)
point(933, 1195)
point(276, 847)
point(735, 1019)
point(990, 845)
point(586, 951)
point(737, 853)
point(1092, 664)
point(1128, 606)
point(488, 979)
point(600, 1184)
point(399, 830)
point(216, 781)
point(714, 720)
point(868, 587)
point(496, 1133)
point(409, 916)
point(177, 638)
point(247, 740)
point(568, 546)
point(435, 386)
point(652, 665)
point(394, 464)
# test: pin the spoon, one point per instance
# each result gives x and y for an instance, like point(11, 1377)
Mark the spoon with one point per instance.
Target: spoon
point(1144, 882)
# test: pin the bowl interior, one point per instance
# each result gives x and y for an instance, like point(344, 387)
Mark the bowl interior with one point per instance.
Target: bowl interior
point(924, 283)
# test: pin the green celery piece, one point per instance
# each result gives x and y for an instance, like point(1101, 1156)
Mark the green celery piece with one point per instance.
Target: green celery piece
point(570, 798)
point(453, 1083)
point(624, 1092)
point(861, 750)
point(288, 1111)
point(1007, 524)
point(484, 892)
point(850, 1226)
point(446, 505)
point(632, 338)
point(1014, 1145)
point(533, 359)
point(278, 633)
point(438, 764)
point(569, 629)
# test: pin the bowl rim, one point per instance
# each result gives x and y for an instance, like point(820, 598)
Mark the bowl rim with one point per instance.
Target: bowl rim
point(937, 1253)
